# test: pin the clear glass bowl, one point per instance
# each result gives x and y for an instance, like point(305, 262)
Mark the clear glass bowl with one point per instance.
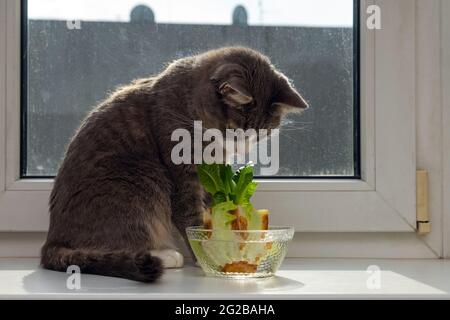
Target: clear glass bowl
point(240, 254)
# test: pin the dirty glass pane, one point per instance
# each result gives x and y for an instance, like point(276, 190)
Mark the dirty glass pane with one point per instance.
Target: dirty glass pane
point(78, 50)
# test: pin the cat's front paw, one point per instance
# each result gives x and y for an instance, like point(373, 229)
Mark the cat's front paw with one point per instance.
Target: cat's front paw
point(170, 258)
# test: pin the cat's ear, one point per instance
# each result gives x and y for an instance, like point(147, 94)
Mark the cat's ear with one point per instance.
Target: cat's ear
point(290, 101)
point(234, 93)
point(229, 82)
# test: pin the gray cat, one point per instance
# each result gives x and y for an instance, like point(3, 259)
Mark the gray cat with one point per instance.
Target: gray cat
point(118, 200)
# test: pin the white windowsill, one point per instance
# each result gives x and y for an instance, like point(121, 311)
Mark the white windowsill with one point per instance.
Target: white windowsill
point(297, 279)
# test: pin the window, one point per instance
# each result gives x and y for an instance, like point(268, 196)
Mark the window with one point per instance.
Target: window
point(77, 51)
point(390, 111)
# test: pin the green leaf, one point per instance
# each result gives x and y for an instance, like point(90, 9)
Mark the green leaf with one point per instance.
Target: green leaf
point(245, 199)
point(209, 175)
point(248, 192)
point(244, 178)
point(226, 174)
point(219, 197)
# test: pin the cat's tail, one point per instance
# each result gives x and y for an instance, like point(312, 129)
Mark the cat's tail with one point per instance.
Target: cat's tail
point(121, 264)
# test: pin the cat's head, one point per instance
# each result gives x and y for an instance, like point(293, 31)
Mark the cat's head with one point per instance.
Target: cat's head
point(250, 91)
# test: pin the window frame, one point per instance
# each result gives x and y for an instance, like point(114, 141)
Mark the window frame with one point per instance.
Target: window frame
point(382, 200)
point(445, 38)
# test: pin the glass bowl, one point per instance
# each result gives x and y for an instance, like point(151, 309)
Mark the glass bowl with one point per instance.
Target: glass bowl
point(240, 254)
